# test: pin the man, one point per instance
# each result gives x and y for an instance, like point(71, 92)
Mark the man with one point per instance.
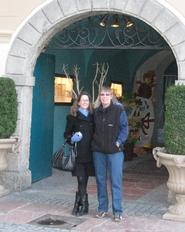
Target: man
point(111, 131)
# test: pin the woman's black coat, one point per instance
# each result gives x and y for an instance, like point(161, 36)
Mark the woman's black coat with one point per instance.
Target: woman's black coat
point(85, 126)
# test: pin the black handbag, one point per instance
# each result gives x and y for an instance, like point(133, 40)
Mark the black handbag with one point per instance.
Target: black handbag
point(64, 158)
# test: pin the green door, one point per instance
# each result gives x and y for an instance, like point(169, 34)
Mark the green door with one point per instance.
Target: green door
point(41, 145)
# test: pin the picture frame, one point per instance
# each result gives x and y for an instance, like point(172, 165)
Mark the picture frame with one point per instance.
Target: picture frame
point(117, 88)
point(63, 89)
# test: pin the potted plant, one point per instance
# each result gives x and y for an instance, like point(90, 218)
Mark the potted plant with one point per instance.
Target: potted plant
point(173, 155)
point(8, 120)
point(134, 123)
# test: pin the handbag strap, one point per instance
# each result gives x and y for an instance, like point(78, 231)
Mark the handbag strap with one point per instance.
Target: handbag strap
point(75, 149)
point(74, 146)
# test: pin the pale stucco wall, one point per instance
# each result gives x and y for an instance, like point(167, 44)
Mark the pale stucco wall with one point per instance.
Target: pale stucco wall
point(179, 5)
point(13, 12)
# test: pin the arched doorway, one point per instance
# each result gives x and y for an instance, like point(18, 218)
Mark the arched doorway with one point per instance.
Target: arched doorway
point(39, 28)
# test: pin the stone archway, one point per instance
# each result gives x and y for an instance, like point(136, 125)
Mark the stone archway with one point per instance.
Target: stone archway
point(36, 31)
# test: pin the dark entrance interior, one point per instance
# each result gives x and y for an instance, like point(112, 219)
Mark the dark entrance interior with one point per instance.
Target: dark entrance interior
point(138, 58)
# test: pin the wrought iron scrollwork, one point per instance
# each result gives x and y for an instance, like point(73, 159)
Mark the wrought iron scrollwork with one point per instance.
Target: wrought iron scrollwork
point(87, 33)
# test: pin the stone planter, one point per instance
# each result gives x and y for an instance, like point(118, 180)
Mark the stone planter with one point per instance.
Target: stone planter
point(175, 165)
point(6, 146)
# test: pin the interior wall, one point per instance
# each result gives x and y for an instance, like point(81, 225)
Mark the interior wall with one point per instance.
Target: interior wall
point(70, 58)
point(122, 67)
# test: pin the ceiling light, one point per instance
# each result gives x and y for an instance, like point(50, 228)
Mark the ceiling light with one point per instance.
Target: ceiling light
point(103, 21)
point(129, 23)
point(115, 22)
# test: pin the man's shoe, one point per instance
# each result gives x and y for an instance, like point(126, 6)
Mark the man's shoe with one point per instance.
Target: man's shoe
point(101, 214)
point(118, 217)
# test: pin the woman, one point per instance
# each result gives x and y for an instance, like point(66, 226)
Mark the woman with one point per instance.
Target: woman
point(79, 129)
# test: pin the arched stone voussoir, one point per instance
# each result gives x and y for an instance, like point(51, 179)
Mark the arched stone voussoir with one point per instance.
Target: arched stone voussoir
point(151, 10)
point(134, 6)
point(165, 20)
point(180, 50)
point(40, 22)
point(68, 7)
point(20, 48)
point(101, 5)
point(176, 34)
point(29, 34)
point(84, 5)
point(53, 11)
point(117, 5)
point(15, 65)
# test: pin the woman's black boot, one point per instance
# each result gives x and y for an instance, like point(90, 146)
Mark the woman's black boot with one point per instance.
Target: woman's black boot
point(75, 210)
point(84, 209)
point(86, 204)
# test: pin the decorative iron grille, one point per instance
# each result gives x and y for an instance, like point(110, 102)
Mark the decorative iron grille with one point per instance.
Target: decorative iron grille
point(88, 33)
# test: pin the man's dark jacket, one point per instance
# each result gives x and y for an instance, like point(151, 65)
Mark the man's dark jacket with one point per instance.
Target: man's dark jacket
point(107, 129)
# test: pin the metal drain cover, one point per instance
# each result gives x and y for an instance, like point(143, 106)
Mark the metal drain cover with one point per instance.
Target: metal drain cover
point(56, 221)
point(51, 222)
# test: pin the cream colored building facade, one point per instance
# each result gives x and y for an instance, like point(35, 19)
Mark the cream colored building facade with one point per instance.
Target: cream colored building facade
point(14, 13)
point(27, 26)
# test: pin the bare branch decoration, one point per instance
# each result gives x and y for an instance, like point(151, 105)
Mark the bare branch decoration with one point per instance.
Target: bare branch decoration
point(101, 72)
point(76, 89)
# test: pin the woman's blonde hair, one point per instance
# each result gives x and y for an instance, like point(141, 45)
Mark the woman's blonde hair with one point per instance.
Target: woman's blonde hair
point(74, 107)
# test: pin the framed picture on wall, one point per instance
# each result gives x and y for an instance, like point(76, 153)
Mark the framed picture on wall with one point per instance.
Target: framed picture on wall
point(117, 88)
point(63, 89)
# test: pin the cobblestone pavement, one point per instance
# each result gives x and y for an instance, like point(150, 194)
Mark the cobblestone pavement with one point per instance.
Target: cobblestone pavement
point(51, 199)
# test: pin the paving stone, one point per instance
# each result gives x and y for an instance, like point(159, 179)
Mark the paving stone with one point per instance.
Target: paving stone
point(144, 203)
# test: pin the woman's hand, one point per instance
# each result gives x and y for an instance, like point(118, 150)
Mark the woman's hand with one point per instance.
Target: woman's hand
point(77, 136)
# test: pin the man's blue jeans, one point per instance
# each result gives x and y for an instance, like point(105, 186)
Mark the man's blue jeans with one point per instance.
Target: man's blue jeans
point(112, 163)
